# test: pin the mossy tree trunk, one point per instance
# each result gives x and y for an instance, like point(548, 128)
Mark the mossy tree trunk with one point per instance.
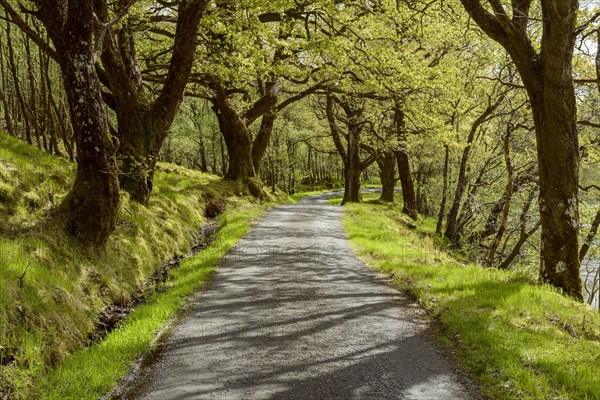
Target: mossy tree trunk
point(237, 139)
point(387, 175)
point(91, 207)
point(548, 78)
point(558, 158)
point(141, 139)
point(352, 165)
point(406, 181)
point(234, 127)
point(263, 137)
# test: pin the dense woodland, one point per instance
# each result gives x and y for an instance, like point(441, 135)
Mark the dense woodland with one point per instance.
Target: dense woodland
point(486, 113)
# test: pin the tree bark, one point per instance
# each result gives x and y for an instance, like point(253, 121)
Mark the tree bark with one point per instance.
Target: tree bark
point(263, 137)
point(352, 166)
point(387, 175)
point(558, 153)
point(440, 221)
point(237, 139)
point(91, 207)
point(408, 189)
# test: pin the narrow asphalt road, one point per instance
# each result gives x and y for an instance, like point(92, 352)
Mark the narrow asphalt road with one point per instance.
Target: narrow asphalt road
point(294, 314)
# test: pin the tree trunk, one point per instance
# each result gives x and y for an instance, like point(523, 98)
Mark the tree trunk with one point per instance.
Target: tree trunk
point(406, 181)
point(32, 102)
point(238, 141)
point(4, 96)
point(590, 236)
point(438, 228)
point(141, 138)
point(91, 208)
point(48, 121)
point(199, 125)
point(65, 126)
point(555, 115)
point(408, 190)
point(548, 78)
point(352, 166)
point(17, 85)
point(223, 148)
point(202, 151)
point(7, 115)
point(387, 174)
point(351, 185)
point(263, 137)
point(558, 152)
point(239, 149)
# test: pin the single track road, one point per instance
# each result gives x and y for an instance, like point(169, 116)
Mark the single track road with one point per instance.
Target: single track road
point(292, 313)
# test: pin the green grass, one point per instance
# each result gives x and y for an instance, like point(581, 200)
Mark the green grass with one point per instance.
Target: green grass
point(520, 340)
point(372, 198)
point(52, 290)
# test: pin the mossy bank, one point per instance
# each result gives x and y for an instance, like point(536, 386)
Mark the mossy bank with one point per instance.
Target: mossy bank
point(52, 290)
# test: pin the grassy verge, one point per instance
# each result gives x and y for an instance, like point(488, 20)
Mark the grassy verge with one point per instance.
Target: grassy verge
point(520, 340)
point(52, 290)
point(92, 372)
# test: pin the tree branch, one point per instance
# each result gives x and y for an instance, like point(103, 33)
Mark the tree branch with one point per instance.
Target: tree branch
point(335, 130)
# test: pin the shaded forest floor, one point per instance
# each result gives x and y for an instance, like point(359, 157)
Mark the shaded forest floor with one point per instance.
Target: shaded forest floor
point(520, 340)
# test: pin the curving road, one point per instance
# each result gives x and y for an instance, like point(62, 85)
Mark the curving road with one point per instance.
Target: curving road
point(294, 314)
